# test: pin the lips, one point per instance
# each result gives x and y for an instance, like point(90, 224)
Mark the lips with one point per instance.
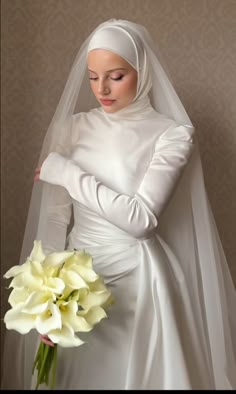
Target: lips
point(107, 102)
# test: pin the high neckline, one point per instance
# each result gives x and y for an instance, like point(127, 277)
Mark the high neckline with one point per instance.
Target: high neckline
point(135, 111)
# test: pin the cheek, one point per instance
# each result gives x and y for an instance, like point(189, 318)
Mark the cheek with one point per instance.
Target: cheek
point(130, 87)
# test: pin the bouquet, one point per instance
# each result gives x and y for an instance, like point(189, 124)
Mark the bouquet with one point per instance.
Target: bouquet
point(58, 295)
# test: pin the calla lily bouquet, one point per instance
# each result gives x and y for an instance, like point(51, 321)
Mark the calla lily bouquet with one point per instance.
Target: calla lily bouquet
point(58, 295)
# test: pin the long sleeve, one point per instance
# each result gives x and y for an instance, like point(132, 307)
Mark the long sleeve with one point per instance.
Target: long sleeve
point(138, 214)
point(57, 215)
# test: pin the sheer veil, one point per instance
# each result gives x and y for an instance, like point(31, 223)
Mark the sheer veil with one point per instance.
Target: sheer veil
point(187, 225)
point(76, 97)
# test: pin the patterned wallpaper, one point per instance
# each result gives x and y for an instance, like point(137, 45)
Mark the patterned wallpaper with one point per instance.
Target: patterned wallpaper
point(40, 39)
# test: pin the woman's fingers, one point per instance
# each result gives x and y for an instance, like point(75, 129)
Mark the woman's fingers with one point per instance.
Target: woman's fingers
point(37, 174)
point(46, 340)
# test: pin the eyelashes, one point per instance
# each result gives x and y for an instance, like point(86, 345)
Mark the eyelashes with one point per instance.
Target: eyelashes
point(113, 79)
point(118, 78)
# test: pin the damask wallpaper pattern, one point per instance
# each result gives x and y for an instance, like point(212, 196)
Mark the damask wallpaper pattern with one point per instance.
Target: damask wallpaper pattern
point(40, 39)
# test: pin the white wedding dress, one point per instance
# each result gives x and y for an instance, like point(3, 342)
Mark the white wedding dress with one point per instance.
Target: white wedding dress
point(130, 189)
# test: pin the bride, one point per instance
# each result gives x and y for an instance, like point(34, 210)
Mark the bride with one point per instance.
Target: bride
point(120, 176)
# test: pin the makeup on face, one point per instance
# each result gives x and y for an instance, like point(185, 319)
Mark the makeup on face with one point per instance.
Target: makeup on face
point(113, 80)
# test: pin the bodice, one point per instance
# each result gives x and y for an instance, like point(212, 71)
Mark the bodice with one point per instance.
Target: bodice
point(116, 153)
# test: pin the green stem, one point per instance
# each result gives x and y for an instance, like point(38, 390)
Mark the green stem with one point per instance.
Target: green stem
point(45, 362)
point(40, 363)
point(37, 357)
point(54, 368)
point(42, 370)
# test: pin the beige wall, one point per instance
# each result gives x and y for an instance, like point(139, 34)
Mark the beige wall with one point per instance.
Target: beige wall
point(40, 39)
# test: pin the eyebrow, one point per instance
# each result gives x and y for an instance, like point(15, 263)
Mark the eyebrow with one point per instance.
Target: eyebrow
point(108, 71)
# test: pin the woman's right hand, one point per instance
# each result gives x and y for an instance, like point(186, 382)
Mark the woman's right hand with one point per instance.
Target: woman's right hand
point(46, 340)
point(37, 174)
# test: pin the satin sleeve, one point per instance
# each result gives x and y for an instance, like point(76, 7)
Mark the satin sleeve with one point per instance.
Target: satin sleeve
point(138, 214)
point(57, 216)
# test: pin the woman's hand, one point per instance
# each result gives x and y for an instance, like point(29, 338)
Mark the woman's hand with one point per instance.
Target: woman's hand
point(37, 174)
point(46, 340)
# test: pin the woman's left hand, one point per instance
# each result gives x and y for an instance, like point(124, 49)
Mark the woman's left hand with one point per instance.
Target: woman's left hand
point(37, 174)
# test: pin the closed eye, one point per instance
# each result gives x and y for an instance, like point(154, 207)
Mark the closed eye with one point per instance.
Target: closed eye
point(113, 79)
point(117, 78)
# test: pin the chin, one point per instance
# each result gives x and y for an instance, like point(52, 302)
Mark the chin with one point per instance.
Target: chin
point(110, 110)
point(113, 108)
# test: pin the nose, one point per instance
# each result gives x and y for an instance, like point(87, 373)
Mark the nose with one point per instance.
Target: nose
point(103, 88)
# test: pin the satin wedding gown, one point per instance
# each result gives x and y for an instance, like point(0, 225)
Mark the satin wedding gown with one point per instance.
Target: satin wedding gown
point(153, 337)
point(120, 181)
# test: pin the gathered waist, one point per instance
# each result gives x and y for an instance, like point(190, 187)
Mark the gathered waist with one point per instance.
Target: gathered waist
point(94, 230)
point(115, 252)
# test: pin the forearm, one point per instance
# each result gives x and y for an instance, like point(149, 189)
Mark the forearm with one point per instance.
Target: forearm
point(137, 215)
point(126, 212)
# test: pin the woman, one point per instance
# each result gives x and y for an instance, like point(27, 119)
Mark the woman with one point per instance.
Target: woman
point(130, 172)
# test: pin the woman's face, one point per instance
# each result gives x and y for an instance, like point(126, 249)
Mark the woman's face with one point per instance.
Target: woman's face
point(113, 80)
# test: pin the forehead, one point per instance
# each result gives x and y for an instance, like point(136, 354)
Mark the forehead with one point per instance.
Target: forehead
point(102, 60)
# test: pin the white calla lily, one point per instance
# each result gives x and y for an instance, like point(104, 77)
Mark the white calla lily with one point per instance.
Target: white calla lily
point(93, 315)
point(38, 302)
point(49, 320)
point(27, 280)
point(65, 337)
point(72, 279)
point(17, 270)
point(36, 269)
point(56, 259)
point(71, 318)
point(80, 258)
point(37, 253)
point(55, 285)
point(86, 273)
point(98, 285)
point(96, 298)
point(18, 296)
point(16, 320)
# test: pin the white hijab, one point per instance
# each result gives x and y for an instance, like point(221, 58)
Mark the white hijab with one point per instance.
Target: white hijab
point(121, 42)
